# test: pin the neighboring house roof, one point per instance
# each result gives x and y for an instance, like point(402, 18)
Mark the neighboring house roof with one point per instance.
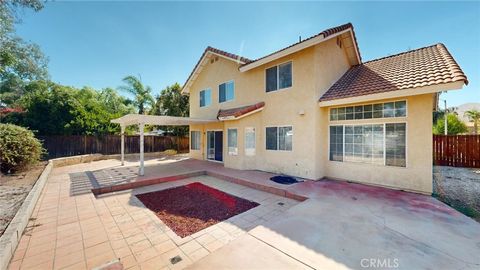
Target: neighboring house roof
point(7, 110)
point(210, 50)
point(432, 65)
point(239, 112)
point(322, 35)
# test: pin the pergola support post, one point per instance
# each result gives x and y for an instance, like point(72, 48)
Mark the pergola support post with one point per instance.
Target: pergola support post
point(122, 151)
point(141, 170)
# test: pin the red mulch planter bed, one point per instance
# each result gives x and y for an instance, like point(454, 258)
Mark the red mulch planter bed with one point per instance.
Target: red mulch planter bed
point(193, 207)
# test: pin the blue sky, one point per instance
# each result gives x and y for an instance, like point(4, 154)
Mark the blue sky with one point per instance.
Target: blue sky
point(98, 43)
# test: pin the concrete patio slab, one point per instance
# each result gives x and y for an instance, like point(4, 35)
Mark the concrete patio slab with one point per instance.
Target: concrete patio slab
point(336, 228)
point(338, 232)
point(248, 252)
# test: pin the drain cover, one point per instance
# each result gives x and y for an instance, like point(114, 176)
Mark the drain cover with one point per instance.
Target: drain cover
point(175, 259)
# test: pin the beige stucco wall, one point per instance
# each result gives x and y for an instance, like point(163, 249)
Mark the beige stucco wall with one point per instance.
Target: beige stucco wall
point(417, 175)
point(315, 69)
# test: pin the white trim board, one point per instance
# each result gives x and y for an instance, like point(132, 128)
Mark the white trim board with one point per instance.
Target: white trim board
point(394, 94)
point(296, 48)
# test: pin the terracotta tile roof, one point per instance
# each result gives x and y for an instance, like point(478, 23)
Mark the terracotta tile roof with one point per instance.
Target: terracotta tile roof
point(217, 51)
point(324, 33)
point(426, 66)
point(237, 112)
point(229, 55)
point(245, 61)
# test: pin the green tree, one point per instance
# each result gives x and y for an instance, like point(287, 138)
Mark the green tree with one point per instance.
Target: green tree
point(474, 117)
point(142, 94)
point(53, 109)
point(171, 102)
point(20, 61)
point(455, 125)
point(96, 110)
point(50, 109)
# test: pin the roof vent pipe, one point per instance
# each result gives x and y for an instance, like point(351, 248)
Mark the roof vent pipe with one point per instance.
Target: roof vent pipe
point(299, 38)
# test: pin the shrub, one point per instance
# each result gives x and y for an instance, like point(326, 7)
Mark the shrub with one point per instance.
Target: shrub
point(18, 148)
point(455, 125)
point(170, 152)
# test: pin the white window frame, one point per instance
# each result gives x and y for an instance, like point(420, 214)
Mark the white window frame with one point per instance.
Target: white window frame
point(278, 77)
point(199, 140)
point(230, 100)
point(278, 138)
point(200, 98)
point(232, 151)
point(250, 151)
point(384, 142)
point(370, 119)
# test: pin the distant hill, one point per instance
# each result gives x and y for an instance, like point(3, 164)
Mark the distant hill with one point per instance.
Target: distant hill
point(461, 109)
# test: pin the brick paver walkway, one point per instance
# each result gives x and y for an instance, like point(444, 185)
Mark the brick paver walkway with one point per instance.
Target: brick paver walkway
point(76, 230)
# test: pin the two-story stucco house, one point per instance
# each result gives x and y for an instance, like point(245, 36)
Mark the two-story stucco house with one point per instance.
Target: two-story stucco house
point(314, 110)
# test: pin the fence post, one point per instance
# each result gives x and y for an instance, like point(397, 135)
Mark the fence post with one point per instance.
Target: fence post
point(84, 144)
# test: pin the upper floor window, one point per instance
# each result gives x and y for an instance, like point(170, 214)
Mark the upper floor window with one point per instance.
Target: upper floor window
point(226, 91)
point(278, 77)
point(369, 111)
point(205, 98)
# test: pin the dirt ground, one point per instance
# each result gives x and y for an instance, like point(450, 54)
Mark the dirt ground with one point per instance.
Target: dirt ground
point(13, 190)
point(458, 187)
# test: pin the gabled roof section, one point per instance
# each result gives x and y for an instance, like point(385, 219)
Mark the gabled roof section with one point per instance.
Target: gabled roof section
point(209, 51)
point(427, 66)
point(313, 40)
point(236, 113)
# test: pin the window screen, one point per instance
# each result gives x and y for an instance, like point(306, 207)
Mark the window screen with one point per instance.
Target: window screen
point(205, 97)
point(232, 141)
point(271, 137)
point(285, 75)
point(395, 137)
point(250, 141)
point(285, 135)
point(226, 92)
point(195, 140)
point(336, 143)
point(271, 79)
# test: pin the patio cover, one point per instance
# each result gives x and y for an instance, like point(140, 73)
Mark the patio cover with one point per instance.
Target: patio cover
point(159, 120)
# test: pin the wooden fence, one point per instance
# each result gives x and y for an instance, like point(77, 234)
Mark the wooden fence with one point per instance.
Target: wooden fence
point(456, 150)
point(72, 145)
